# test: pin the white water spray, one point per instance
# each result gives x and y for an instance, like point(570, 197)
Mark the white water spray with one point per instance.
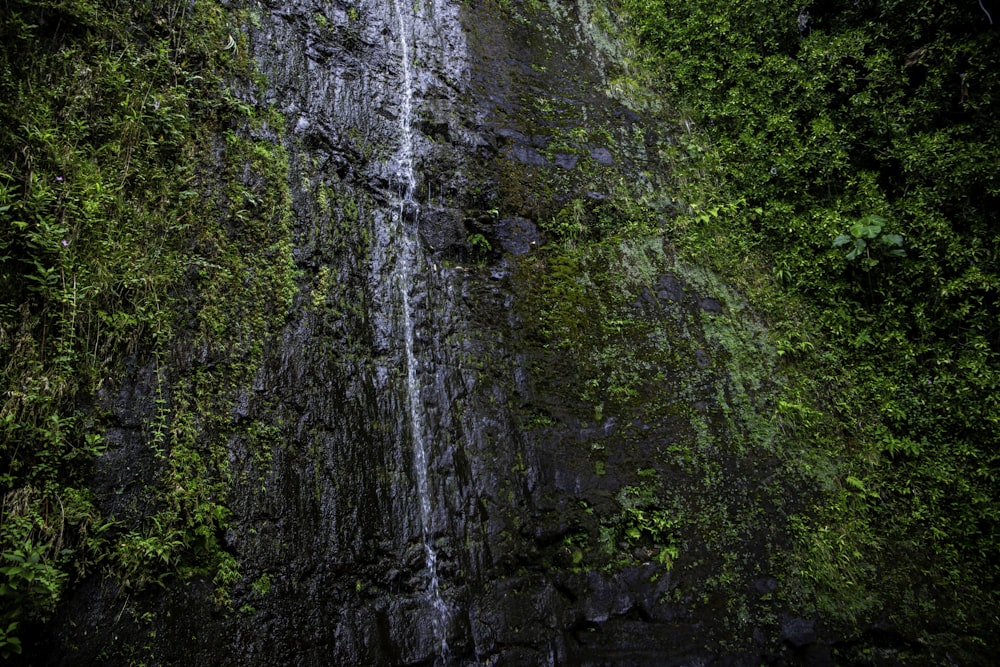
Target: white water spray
point(408, 262)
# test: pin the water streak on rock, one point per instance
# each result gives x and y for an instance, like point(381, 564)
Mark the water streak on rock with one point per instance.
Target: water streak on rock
point(405, 271)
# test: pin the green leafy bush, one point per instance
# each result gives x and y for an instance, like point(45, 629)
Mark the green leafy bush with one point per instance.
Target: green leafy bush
point(811, 117)
point(866, 235)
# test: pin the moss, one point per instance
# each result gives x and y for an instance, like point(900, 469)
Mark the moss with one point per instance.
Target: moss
point(626, 338)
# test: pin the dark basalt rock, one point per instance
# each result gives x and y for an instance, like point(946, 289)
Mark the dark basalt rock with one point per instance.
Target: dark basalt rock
point(565, 161)
point(528, 156)
point(798, 632)
point(602, 156)
point(670, 288)
point(517, 236)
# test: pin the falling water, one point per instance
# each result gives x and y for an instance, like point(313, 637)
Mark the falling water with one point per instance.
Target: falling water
point(406, 268)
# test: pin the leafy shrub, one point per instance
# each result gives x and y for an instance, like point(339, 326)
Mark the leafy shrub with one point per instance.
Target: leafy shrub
point(865, 235)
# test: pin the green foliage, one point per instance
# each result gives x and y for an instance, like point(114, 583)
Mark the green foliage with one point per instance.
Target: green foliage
point(110, 201)
point(810, 118)
point(480, 244)
point(45, 538)
point(865, 235)
point(262, 585)
point(644, 524)
point(29, 583)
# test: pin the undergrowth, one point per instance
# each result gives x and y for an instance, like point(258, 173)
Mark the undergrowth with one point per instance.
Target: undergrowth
point(840, 166)
point(114, 120)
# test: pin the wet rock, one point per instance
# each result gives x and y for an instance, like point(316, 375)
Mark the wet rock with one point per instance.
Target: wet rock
point(528, 156)
point(710, 305)
point(798, 631)
point(765, 585)
point(565, 160)
point(442, 229)
point(669, 288)
point(602, 156)
point(517, 236)
point(541, 554)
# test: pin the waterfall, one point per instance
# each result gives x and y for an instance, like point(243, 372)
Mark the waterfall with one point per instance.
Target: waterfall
point(404, 274)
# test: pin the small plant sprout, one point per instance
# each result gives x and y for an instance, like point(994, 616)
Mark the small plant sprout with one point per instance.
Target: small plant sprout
point(865, 235)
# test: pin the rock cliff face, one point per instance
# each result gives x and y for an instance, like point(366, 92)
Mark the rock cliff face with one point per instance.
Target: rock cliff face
point(490, 431)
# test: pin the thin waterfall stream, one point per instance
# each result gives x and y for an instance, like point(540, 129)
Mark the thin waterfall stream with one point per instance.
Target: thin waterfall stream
point(406, 268)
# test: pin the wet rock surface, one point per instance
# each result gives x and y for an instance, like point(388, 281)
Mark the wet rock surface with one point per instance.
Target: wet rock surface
point(526, 478)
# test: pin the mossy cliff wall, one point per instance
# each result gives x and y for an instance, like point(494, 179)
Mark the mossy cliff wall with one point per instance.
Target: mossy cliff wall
point(614, 474)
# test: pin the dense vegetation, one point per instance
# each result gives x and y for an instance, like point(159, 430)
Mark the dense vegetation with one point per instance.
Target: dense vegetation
point(119, 138)
point(841, 164)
